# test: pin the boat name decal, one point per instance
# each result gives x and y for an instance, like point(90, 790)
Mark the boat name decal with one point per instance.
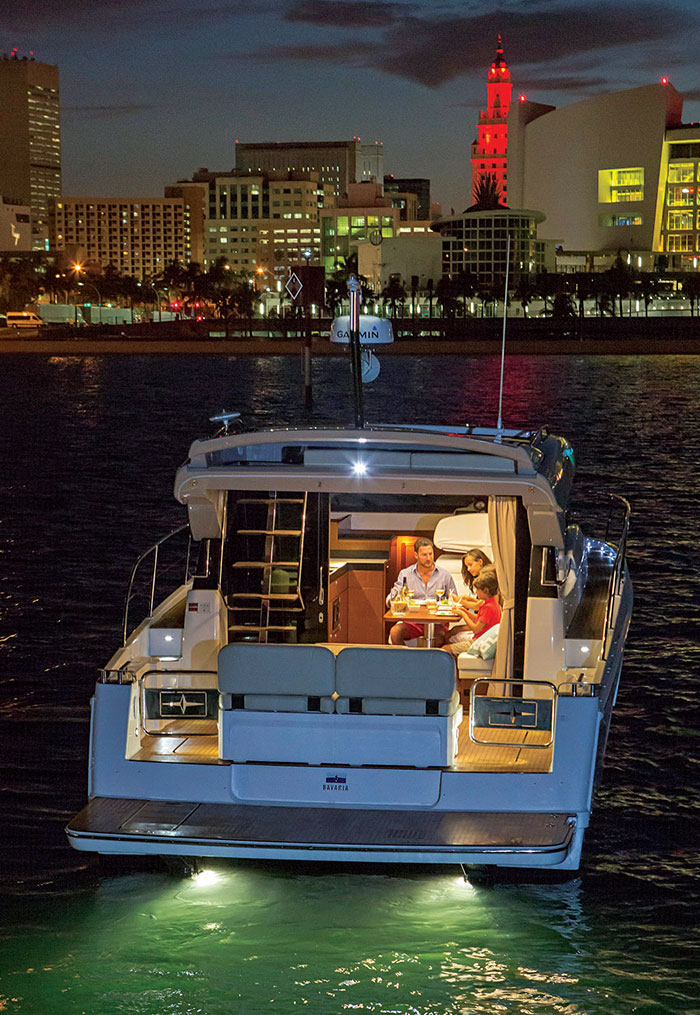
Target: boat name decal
point(193, 607)
point(336, 783)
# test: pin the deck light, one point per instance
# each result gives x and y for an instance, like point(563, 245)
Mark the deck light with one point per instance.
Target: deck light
point(360, 468)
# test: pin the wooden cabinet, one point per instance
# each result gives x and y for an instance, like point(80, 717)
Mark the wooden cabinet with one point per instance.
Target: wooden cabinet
point(338, 608)
point(356, 605)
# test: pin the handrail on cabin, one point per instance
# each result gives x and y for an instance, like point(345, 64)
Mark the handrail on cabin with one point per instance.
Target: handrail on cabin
point(618, 540)
point(154, 549)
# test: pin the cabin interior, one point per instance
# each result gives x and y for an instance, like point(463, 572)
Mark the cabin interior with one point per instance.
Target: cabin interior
point(299, 568)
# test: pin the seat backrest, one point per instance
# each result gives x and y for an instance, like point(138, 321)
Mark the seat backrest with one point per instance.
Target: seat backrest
point(462, 532)
point(277, 678)
point(392, 680)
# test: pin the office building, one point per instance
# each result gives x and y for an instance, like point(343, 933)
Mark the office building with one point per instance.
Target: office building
point(30, 139)
point(338, 163)
point(420, 188)
point(490, 149)
point(261, 223)
point(617, 172)
point(138, 236)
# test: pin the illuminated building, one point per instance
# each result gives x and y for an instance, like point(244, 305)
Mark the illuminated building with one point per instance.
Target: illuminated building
point(139, 236)
point(617, 172)
point(265, 221)
point(338, 163)
point(489, 150)
point(30, 139)
point(362, 216)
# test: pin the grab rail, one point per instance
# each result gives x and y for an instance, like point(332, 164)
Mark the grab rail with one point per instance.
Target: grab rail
point(155, 550)
point(619, 544)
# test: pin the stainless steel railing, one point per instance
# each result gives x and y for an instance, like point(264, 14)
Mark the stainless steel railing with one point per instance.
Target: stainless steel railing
point(179, 566)
point(616, 533)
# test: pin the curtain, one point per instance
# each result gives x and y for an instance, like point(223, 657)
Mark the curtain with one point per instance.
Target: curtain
point(502, 513)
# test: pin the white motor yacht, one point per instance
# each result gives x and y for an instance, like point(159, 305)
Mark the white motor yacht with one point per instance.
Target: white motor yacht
point(255, 708)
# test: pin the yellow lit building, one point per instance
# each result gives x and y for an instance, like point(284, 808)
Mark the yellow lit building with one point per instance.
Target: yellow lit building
point(617, 172)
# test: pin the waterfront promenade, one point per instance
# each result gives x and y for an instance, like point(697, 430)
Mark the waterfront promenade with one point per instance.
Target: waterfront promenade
point(471, 336)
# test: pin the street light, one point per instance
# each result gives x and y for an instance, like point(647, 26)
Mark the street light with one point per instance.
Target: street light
point(99, 298)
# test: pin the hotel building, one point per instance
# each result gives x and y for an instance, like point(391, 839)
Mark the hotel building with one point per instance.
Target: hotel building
point(139, 236)
point(30, 139)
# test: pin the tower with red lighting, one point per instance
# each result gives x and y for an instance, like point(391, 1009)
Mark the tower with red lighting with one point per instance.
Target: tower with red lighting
point(489, 150)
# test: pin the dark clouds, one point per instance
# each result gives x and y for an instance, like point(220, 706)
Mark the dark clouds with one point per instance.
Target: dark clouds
point(362, 14)
point(433, 50)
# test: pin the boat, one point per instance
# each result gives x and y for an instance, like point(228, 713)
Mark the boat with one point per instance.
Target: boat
point(254, 708)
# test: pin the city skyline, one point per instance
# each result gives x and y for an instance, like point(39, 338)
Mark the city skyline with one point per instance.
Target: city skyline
point(151, 91)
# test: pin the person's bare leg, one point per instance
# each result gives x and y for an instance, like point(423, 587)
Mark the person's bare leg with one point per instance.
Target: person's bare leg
point(399, 634)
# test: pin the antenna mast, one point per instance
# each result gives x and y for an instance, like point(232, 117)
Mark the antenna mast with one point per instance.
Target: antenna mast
point(503, 339)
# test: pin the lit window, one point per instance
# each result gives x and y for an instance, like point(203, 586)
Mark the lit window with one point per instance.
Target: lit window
point(617, 185)
point(681, 172)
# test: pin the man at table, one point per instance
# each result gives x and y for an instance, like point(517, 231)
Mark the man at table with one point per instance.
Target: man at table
point(423, 579)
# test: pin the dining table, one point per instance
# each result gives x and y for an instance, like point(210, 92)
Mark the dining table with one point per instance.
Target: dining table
point(423, 615)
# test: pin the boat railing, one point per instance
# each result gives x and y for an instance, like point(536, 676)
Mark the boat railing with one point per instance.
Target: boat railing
point(165, 559)
point(616, 532)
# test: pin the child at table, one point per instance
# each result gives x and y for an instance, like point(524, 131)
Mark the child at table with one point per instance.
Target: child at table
point(473, 625)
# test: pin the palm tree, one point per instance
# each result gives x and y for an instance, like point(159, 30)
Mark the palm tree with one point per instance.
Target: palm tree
point(691, 288)
point(393, 293)
point(446, 295)
point(487, 193)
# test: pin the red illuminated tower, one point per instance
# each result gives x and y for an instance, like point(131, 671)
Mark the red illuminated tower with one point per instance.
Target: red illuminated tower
point(489, 150)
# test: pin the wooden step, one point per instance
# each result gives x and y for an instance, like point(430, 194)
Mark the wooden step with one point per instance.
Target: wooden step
point(250, 628)
point(266, 563)
point(286, 596)
point(269, 532)
point(269, 500)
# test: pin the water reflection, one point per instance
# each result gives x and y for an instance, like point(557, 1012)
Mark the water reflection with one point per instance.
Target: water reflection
point(245, 937)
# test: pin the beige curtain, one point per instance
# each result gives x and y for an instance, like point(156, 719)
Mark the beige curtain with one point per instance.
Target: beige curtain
point(502, 511)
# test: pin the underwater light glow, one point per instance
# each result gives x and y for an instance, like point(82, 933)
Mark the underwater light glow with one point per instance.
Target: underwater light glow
point(206, 877)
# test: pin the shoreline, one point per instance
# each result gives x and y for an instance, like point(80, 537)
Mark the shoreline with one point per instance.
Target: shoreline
point(609, 346)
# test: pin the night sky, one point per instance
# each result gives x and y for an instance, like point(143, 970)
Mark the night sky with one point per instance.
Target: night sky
point(154, 89)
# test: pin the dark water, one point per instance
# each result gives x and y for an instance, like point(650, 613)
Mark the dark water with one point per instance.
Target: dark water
point(90, 446)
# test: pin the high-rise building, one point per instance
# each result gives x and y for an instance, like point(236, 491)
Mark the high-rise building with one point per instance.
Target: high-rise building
point(30, 139)
point(489, 150)
point(338, 163)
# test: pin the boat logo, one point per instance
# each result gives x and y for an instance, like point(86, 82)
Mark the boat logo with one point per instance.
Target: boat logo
point(189, 703)
point(336, 783)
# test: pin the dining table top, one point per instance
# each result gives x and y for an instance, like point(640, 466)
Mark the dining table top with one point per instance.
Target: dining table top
point(423, 616)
